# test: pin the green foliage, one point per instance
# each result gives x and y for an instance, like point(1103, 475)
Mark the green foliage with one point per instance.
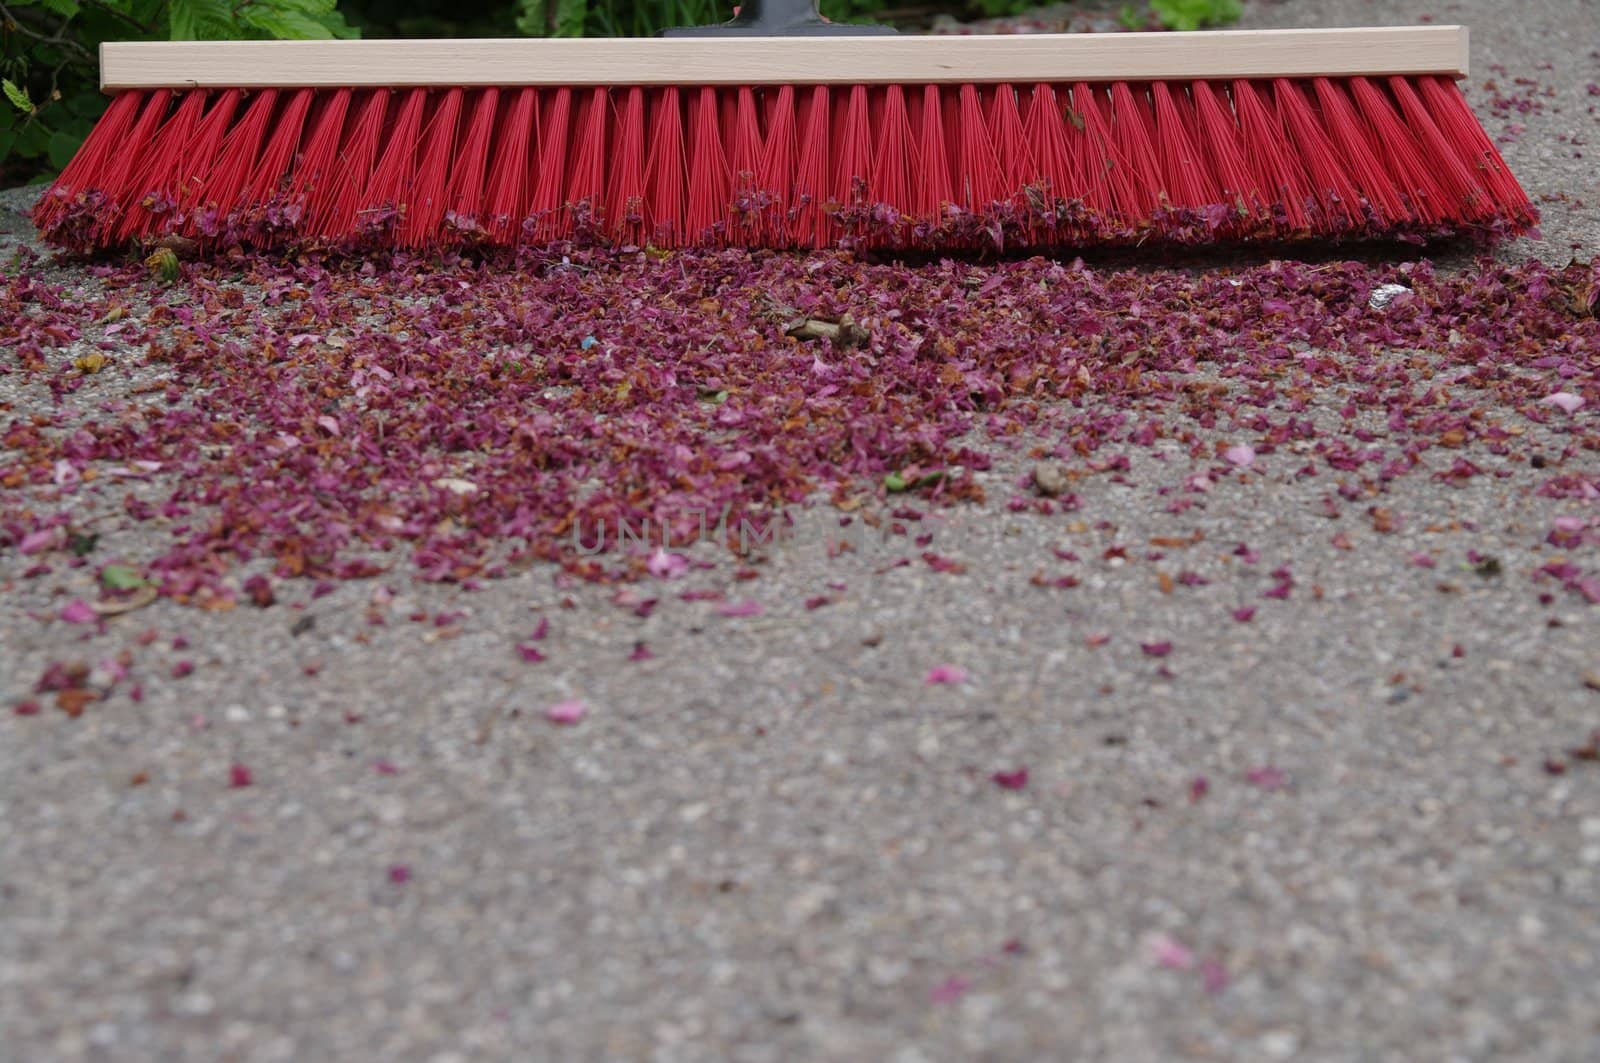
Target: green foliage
point(48, 51)
point(1196, 14)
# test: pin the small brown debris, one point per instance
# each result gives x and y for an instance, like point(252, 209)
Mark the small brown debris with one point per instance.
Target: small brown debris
point(74, 700)
point(844, 332)
point(90, 363)
point(138, 599)
point(1050, 478)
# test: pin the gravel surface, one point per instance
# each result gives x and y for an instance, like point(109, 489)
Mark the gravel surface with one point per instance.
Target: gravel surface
point(1362, 824)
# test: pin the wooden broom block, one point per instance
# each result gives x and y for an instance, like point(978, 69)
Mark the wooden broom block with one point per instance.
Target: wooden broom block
point(1019, 59)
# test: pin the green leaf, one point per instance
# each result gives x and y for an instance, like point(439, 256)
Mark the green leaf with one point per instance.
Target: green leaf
point(570, 16)
point(32, 140)
point(1186, 15)
point(63, 146)
point(64, 8)
point(894, 483)
point(18, 96)
point(532, 18)
point(201, 20)
point(284, 24)
point(122, 577)
point(310, 7)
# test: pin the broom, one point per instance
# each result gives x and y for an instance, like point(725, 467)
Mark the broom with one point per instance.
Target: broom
point(782, 130)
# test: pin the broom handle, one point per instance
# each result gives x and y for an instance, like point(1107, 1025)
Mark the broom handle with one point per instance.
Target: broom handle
point(765, 60)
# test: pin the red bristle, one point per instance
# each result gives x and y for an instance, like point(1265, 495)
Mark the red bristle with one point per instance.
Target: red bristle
point(356, 159)
point(1109, 190)
point(464, 199)
point(852, 161)
point(710, 180)
point(625, 194)
point(202, 156)
point(1464, 198)
point(1045, 129)
point(520, 188)
point(775, 178)
point(950, 110)
point(549, 188)
point(933, 194)
point(1133, 126)
point(84, 173)
point(1271, 155)
point(1454, 117)
point(743, 137)
point(1398, 151)
point(586, 181)
point(318, 165)
point(223, 193)
point(425, 213)
point(977, 163)
point(1351, 138)
point(157, 183)
point(387, 196)
point(1010, 139)
point(665, 168)
point(269, 185)
point(893, 180)
point(1217, 135)
point(1341, 203)
point(1188, 182)
point(119, 177)
point(809, 224)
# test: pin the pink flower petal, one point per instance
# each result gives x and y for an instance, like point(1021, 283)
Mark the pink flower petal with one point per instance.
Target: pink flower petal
point(950, 990)
point(1213, 976)
point(79, 611)
point(399, 874)
point(1171, 953)
point(1198, 788)
point(239, 777)
point(748, 607)
point(663, 565)
point(1565, 401)
point(1268, 778)
point(1011, 780)
point(566, 712)
point(1156, 649)
point(1241, 455)
point(34, 542)
point(1244, 614)
point(945, 674)
point(529, 652)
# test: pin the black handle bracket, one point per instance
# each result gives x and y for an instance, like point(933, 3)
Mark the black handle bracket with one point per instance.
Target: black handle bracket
point(780, 18)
